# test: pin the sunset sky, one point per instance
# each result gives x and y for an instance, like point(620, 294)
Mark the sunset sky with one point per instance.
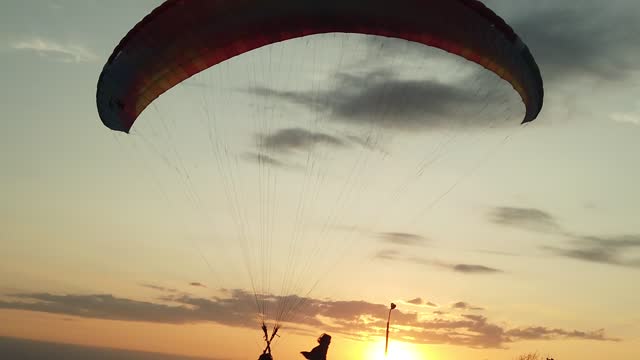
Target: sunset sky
point(340, 172)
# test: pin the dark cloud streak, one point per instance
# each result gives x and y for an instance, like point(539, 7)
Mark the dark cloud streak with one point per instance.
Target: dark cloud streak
point(395, 255)
point(525, 218)
point(275, 149)
point(291, 139)
point(402, 239)
point(159, 288)
point(266, 159)
point(614, 250)
point(475, 269)
point(461, 305)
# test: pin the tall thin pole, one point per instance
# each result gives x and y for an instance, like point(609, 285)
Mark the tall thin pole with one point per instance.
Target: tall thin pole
point(386, 344)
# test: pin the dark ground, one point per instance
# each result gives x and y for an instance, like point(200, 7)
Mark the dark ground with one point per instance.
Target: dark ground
point(20, 349)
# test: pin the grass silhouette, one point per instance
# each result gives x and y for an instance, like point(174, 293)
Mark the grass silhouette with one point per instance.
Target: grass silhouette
point(532, 356)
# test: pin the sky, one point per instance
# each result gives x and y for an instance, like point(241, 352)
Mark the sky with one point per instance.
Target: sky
point(314, 182)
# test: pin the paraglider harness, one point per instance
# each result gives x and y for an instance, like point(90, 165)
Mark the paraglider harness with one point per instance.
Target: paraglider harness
point(268, 339)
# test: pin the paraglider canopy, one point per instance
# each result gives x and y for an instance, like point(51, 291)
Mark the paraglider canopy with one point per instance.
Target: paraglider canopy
point(182, 38)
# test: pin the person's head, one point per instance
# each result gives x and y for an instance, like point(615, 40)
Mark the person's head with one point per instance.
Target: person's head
point(324, 339)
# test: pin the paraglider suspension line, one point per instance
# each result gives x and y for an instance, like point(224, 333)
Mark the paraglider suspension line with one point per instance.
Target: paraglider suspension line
point(268, 339)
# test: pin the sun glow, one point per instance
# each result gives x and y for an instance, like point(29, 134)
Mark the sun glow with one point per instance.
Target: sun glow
point(397, 351)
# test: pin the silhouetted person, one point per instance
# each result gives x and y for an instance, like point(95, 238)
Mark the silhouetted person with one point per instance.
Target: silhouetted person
point(319, 352)
point(265, 356)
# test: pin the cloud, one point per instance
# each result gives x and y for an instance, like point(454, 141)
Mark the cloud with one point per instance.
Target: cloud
point(62, 52)
point(460, 268)
point(238, 309)
point(395, 255)
point(626, 118)
point(619, 242)
point(593, 254)
point(461, 305)
point(543, 333)
point(266, 160)
point(612, 251)
point(197, 284)
point(403, 239)
point(566, 45)
point(356, 319)
point(501, 253)
point(387, 100)
point(292, 139)
point(103, 306)
point(288, 141)
point(473, 269)
point(388, 254)
point(159, 288)
point(420, 301)
point(525, 218)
